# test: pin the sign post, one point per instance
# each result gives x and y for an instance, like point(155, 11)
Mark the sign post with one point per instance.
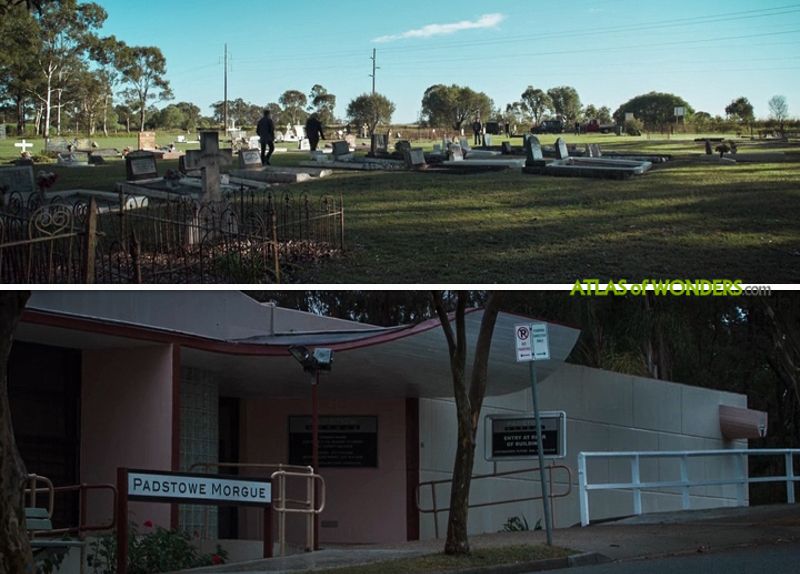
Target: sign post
point(533, 345)
point(184, 487)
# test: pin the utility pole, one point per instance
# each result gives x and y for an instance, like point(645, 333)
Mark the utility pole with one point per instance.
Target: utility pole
point(374, 68)
point(225, 104)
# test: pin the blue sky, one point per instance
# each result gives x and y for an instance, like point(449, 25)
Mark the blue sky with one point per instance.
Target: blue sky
point(708, 52)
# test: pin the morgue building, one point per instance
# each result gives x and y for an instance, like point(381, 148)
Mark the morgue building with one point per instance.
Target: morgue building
point(179, 381)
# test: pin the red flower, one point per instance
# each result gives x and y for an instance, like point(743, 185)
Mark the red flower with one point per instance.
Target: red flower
point(216, 559)
point(148, 524)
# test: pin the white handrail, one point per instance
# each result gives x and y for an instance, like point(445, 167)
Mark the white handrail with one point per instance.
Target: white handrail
point(685, 483)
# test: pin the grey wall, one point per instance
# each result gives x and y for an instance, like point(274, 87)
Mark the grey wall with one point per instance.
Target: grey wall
point(605, 412)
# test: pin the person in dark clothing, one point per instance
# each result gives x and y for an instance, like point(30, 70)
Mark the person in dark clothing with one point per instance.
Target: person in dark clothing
point(477, 130)
point(314, 131)
point(266, 136)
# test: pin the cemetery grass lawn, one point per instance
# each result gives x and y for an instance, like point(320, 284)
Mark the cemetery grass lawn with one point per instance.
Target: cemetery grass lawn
point(683, 220)
point(479, 558)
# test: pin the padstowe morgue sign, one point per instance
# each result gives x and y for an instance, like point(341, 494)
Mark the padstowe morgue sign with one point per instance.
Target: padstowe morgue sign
point(189, 487)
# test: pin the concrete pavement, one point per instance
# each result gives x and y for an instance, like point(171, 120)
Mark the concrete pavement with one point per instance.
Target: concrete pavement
point(648, 536)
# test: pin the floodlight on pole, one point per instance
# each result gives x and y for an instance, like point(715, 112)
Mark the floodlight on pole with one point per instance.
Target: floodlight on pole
point(320, 359)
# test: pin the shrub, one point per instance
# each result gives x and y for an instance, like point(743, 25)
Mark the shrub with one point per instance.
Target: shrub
point(159, 550)
point(634, 127)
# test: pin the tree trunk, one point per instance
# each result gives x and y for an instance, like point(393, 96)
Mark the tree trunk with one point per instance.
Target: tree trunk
point(468, 407)
point(20, 115)
point(58, 111)
point(15, 550)
point(105, 116)
point(457, 525)
point(48, 106)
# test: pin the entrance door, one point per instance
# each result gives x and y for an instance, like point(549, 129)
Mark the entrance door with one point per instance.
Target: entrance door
point(44, 392)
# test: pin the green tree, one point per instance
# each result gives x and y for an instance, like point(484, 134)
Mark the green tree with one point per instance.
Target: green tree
point(565, 103)
point(294, 103)
point(538, 103)
point(371, 110)
point(66, 31)
point(144, 71)
point(323, 103)
point(170, 117)
point(779, 110)
point(191, 115)
point(655, 109)
point(451, 106)
point(19, 71)
point(91, 92)
point(741, 110)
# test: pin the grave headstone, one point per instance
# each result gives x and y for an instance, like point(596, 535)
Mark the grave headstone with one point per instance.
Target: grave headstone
point(254, 143)
point(83, 144)
point(506, 148)
point(414, 158)
point(304, 145)
point(487, 140)
point(351, 141)
point(57, 145)
point(402, 146)
point(596, 152)
point(300, 131)
point(561, 149)
point(437, 148)
point(147, 140)
point(464, 144)
point(140, 165)
point(533, 152)
point(180, 139)
point(17, 180)
point(341, 151)
point(250, 159)
point(709, 150)
point(210, 158)
point(455, 153)
point(380, 143)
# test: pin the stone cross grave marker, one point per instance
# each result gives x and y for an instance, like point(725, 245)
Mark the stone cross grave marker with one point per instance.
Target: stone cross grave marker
point(147, 140)
point(250, 159)
point(210, 159)
point(16, 180)
point(23, 145)
point(533, 149)
point(141, 165)
point(561, 149)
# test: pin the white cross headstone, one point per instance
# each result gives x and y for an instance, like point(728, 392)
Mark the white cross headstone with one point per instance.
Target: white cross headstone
point(24, 145)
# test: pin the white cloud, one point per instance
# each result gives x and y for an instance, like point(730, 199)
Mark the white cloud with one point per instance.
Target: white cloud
point(485, 21)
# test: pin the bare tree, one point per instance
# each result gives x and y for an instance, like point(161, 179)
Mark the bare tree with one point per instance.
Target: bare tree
point(15, 550)
point(779, 110)
point(469, 400)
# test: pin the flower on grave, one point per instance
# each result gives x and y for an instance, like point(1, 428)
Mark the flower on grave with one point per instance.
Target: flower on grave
point(216, 559)
point(45, 180)
point(148, 524)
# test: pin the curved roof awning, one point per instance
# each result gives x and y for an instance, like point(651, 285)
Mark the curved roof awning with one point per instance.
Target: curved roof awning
point(369, 361)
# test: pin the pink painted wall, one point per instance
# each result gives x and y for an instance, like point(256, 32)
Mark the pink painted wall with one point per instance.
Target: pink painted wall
point(126, 420)
point(369, 504)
